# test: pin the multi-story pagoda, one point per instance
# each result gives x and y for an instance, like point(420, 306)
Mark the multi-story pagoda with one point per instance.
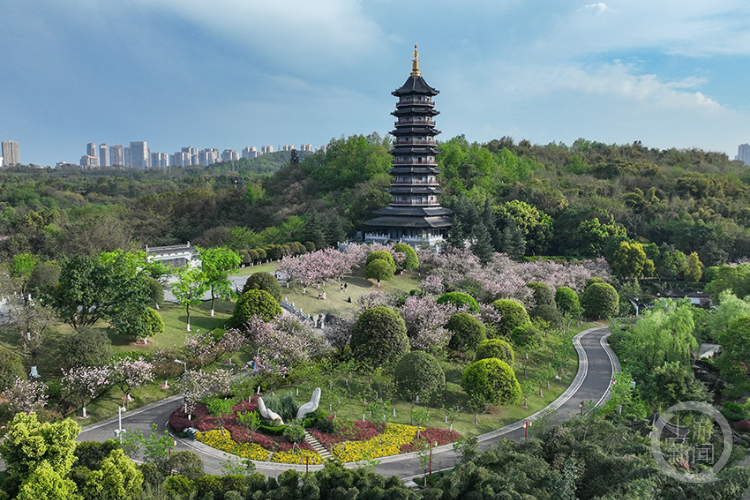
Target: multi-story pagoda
point(414, 215)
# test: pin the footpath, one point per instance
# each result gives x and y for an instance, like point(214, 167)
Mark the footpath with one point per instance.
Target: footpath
point(597, 364)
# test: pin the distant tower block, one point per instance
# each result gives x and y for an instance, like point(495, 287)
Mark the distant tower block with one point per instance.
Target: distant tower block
point(414, 215)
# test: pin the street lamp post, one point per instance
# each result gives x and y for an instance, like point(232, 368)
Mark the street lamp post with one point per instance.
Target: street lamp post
point(120, 409)
point(184, 365)
point(526, 426)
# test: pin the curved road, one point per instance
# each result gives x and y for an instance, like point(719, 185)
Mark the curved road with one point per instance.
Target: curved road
point(597, 363)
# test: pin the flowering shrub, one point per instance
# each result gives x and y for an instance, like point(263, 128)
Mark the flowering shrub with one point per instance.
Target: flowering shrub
point(432, 435)
point(223, 441)
point(297, 457)
point(359, 431)
point(245, 406)
point(389, 443)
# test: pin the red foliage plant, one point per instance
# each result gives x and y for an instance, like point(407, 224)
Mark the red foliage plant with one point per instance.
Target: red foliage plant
point(743, 426)
point(432, 435)
point(178, 420)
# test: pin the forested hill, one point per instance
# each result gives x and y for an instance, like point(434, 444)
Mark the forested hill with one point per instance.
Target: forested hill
point(520, 198)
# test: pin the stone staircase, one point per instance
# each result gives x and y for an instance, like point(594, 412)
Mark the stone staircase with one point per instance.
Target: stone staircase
point(318, 447)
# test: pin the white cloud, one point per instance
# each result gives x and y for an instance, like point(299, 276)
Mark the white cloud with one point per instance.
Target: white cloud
point(598, 8)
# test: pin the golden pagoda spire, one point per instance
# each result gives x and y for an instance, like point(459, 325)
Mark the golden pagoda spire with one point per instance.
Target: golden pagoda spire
point(415, 63)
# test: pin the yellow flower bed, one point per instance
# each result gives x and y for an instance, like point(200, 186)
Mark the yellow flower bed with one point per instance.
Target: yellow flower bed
point(223, 441)
point(387, 443)
point(297, 457)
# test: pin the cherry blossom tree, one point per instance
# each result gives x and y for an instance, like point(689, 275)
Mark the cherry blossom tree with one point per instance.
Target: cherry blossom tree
point(86, 383)
point(376, 299)
point(195, 385)
point(425, 322)
point(232, 341)
point(130, 374)
point(338, 332)
point(201, 348)
point(25, 395)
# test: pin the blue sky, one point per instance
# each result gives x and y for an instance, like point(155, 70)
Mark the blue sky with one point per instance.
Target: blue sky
point(229, 74)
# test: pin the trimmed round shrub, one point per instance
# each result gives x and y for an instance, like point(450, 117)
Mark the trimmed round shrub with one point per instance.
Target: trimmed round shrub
point(743, 425)
point(379, 336)
point(600, 300)
point(548, 313)
point(459, 300)
point(567, 301)
point(513, 315)
point(467, 332)
point(155, 290)
point(526, 335)
point(541, 293)
point(491, 380)
point(411, 261)
point(495, 348)
point(591, 281)
point(380, 255)
point(255, 303)
point(274, 252)
point(309, 246)
point(418, 374)
point(263, 281)
point(261, 253)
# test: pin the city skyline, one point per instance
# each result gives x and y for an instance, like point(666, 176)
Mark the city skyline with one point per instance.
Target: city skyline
point(666, 74)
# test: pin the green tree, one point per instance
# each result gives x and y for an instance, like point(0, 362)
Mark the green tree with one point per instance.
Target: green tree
point(11, 368)
point(491, 380)
point(513, 241)
point(86, 347)
point(91, 289)
point(255, 303)
point(481, 243)
point(693, 268)
point(628, 260)
point(216, 263)
point(380, 270)
point(418, 374)
point(512, 313)
point(730, 308)
point(535, 225)
point(156, 291)
point(21, 269)
point(189, 287)
point(263, 281)
point(118, 478)
point(379, 336)
point(466, 332)
point(672, 383)
point(591, 236)
point(541, 293)
point(28, 443)
point(45, 275)
point(600, 300)
point(47, 483)
point(735, 345)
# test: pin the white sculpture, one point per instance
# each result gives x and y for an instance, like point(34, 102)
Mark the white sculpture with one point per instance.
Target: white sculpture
point(269, 414)
point(310, 406)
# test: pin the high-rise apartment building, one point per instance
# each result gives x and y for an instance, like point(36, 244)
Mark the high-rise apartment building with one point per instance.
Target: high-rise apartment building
point(266, 149)
point(139, 154)
point(116, 155)
point(230, 155)
point(127, 157)
point(11, 153)
point(91, 149)
point(208, 156)
point(159, 160)
point(250, 152)
point(89, 161)
point(743, 153)
point(306, 148)
point(103, 155)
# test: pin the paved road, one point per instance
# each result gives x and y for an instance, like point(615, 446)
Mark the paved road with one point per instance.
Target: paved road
point(596, 365)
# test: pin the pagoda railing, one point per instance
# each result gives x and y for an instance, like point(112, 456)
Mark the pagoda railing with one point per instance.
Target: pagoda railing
point(417, 183)
point(415, 141)
point(424, 203)
point(411, 102)
point(400, 161)
point(412, 121)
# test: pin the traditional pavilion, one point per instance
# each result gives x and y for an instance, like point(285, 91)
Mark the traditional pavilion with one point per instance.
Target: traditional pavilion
point(414, 215)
